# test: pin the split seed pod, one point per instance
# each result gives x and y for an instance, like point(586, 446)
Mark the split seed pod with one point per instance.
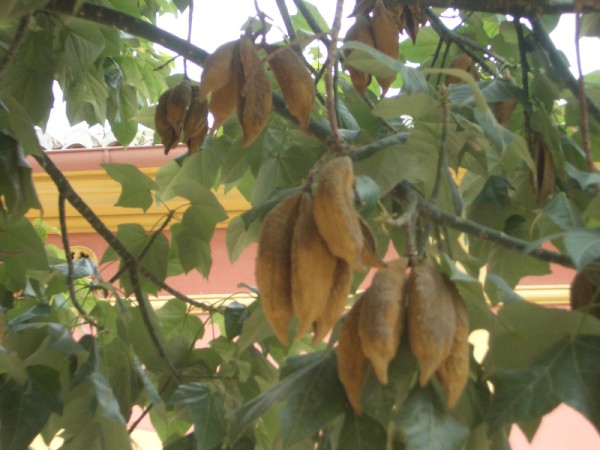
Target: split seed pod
point(295, 81)
point(336, 218)
point(453, 373)
point(178, 103)
point(338, 296)
point(273, 264)
point(351, 361)
point(223, 103)
point(362, 7)
point(386, 39)
point(195, 126)
point(382, 317)
point(361, 32)
point(545, 177)
point(313, 268)
point(255, 99)
point(431, 318)
point(368, 254)
point(168, 135)
point(462, 62)
point(218, 71)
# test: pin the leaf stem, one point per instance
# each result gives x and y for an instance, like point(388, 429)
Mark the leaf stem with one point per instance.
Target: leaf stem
point(330, 85)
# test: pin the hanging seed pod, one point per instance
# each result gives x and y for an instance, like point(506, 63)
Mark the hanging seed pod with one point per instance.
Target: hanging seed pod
point(313, 268)
point(336, 218)
point(585, 290)
point(218, 70)
point(168, 135)
point(361, 32)
point(545, 177)
point(453, 373)
point(178, 103)
point(295, 81)
point(352, 362)
point(386, 39)
point(223, 103)
point(368, 254)
point(431, 318)
point(382, 317)
point(415, 17)
point(362, 7)
point(273, 264)
point(255, 99)
point(195, 126)
point(462, 62)
point(338, 297)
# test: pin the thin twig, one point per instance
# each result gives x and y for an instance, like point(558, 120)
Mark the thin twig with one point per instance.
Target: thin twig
point(289, 26)
point(137, 421)
point(189, 35)
point(14, 45)
point(67, 248)
point(524, 83)
point(337, 143)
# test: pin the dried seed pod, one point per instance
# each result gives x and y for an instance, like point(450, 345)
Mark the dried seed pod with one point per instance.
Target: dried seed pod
point(195, 126)
point(414, 17)
point(362, 7)
point(545, 177)
point(382, 317)
point(351, 361)
point(164, 129)
point(336, 218)
point(361, 32)
point(338, 296)
point(368, 254)
point(399, 13)
point(295, 81)
point(585, 290)
point(462, 62)
point(223, 103)
point(503, 111)
point(273, 264)
point(386, 39)
point(255, 99)
point(218, 71)
point(453, 373)
point(178, 103)
point(431, 318)
point(313, 268)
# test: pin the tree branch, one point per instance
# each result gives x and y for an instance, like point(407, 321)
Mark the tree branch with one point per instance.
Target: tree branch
point(405, 191)
point(312, 23)
point(513, 7)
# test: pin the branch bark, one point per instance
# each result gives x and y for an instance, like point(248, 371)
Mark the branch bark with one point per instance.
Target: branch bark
point(513, 7)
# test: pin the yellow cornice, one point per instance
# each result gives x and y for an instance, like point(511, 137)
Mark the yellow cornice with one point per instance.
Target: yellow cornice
point(101, 192)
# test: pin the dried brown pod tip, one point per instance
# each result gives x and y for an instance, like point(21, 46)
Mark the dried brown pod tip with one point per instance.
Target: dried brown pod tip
point(351, 361)
point(585, 289)
point(462, 62)
point(273, 264)
point(544, 179)
point(386, 39)
point(361, 32)
point(167, 133)
point(218, 69)
point(336, 218)
point(195, 126)
point(382, 317)
point(453, 373)
point(431, 318)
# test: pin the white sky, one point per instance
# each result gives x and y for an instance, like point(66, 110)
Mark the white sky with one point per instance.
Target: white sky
point(216, 22)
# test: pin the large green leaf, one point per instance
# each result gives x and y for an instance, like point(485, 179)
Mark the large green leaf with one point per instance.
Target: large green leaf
point(568, 373)
point(137, 187)
point(361, 432)
point(206, 410)
point(16, 8)
point(426, 424)
point(25, 408)
point(511, 265)
point(83, 43)
point(583, 246)
point(176, 319)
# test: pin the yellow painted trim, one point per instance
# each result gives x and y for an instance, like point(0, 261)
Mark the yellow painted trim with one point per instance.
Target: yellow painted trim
point(101, 192)
point(553, 294)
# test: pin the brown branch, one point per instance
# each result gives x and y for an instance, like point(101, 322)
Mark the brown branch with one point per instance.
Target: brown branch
point(513, 7)
point(14, 45)
point(330, 87)
point(311, 21)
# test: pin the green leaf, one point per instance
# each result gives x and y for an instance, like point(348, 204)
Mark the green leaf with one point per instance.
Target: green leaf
point(567, 373)
point(83, 43)
point(583, 246)
point(21, 126)
point(300, 22)
point(25, 409)
point(206, 410)
point(176, 319)
point(235, 314)
point(528, 330)
point(562, 212)
point(136, 186)
point(426, 424)
point(87, 98)
point(240, 236)
point(421, 106)
point(316, 400)
point(12, 9)
point(193, 251)
point(511, 265)
point(255, 328)
point(361, 433)
point(584, 178)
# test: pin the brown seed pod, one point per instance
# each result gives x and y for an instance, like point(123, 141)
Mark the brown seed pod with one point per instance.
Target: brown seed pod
point(368, 254)
point(273, 264)
point(336, 218)
point(313, 268)
point(338, 297)
point(503, 111)
point(361, 32)
point(545, 177)
point(453, 373)
point(414, 18)
point(295, 81)
point(352, 362)
point(224, 101)
point(399, 13)
point(218, 71)
point(362, 7)
point(255, 96)
point(585, 290)
point(462, 62)
point(195, 125)
point(386, 39)
point(164, 129)
point(431, 318)
point(382, 317)
point(178, 103)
